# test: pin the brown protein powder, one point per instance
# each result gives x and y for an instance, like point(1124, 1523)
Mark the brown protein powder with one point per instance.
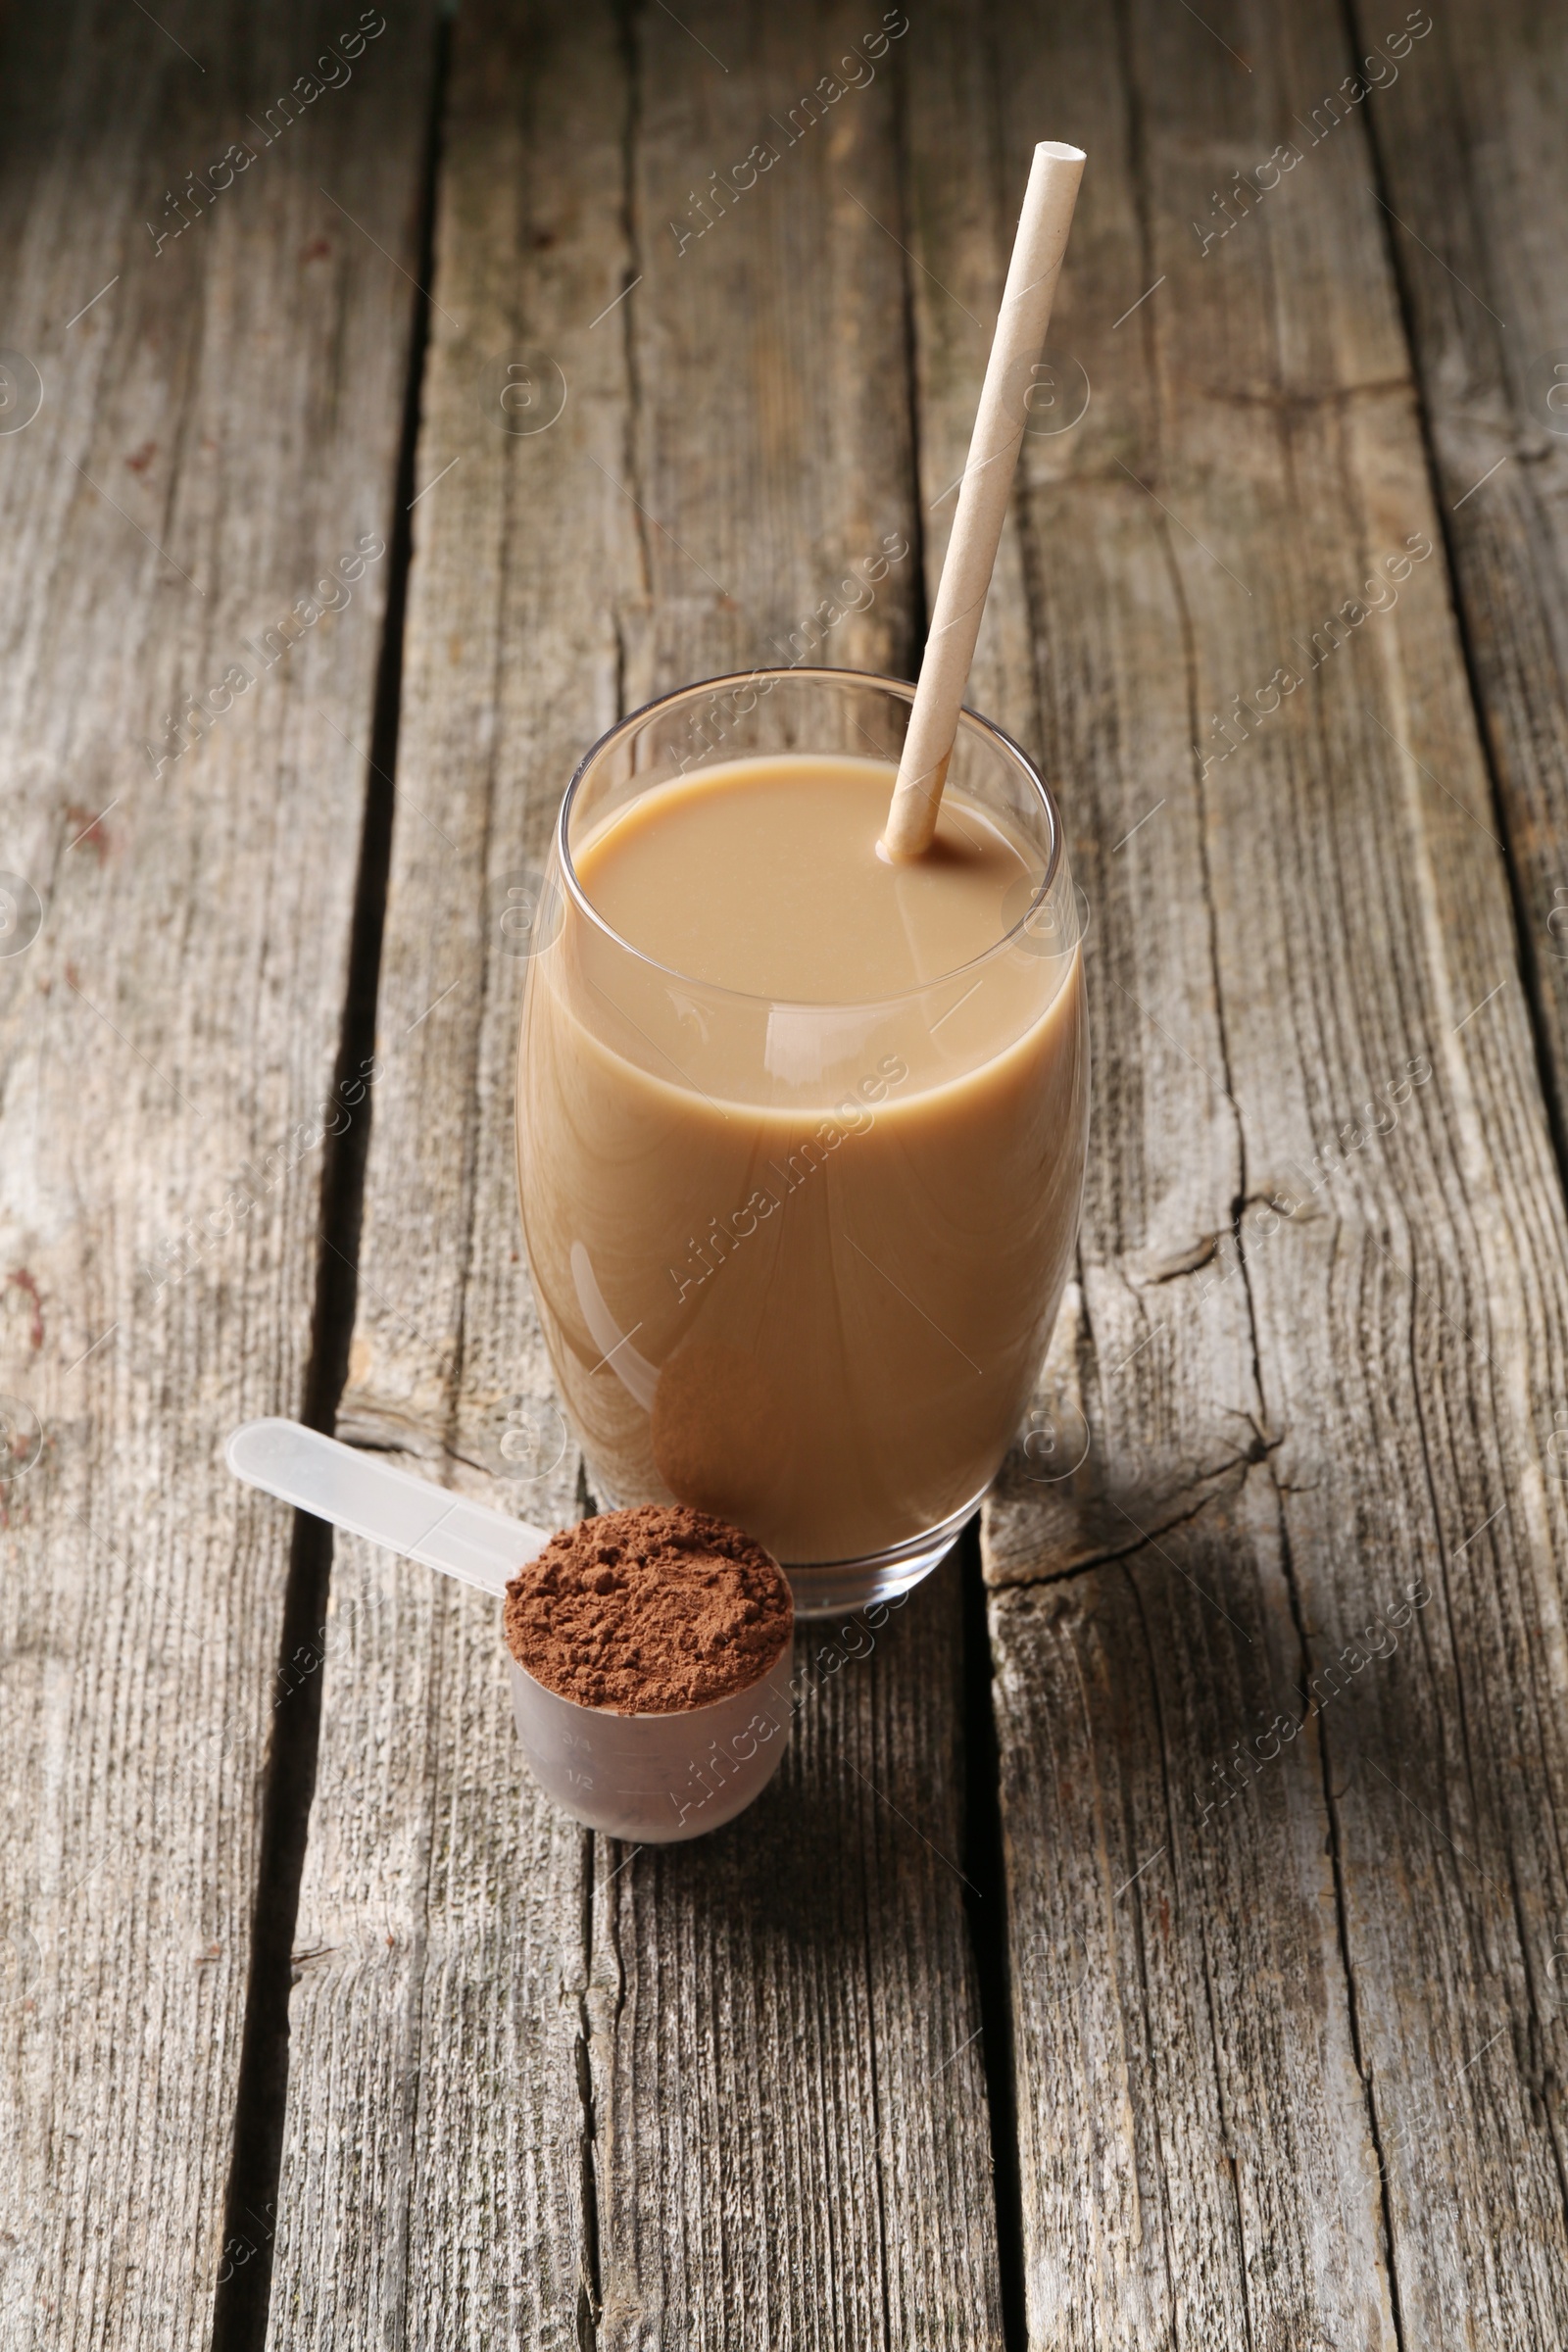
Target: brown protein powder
point(648, 1611)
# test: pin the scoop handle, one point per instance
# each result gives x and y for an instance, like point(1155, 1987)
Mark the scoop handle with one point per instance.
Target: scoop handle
point(368, 1498)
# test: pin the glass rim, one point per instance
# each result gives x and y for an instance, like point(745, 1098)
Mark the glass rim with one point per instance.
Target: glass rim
point(900, 687)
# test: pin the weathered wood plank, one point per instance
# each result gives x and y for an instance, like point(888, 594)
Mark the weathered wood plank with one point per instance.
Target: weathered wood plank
point(1472, 164)
point(842, 2076)
point(1315, 2035)
point(1191, 2158)
point(437, 2023)
point(219, 428)
point(757, 2053)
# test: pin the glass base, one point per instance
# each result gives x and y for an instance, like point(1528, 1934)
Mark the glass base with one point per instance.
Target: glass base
point(838, 1588)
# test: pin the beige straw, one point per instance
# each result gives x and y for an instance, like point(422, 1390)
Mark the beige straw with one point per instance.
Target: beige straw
point(987, 480)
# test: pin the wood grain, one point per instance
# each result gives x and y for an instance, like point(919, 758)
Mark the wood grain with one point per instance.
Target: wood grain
point(218, 429)
point(727, 2095)
point(1478, 251)
point(1292, 2082)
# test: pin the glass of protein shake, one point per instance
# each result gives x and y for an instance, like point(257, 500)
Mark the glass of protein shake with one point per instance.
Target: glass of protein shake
point(801, 1131)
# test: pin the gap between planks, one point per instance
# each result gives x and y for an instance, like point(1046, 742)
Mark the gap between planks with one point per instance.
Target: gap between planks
point(243, 2289)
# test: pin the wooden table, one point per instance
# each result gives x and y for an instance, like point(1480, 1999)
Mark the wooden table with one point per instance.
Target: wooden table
point(1157, 1935)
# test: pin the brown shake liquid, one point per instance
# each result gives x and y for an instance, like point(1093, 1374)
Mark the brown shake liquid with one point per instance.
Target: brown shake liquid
point(801, 1190)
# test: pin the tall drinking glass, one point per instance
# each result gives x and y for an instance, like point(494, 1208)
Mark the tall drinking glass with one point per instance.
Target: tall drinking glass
point(797, 1262)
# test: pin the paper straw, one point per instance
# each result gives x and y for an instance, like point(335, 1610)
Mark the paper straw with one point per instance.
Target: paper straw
point(987, 481)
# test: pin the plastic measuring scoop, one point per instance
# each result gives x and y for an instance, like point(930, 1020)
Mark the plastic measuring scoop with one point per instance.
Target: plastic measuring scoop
point(656, 1779)
point(367, 1496)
